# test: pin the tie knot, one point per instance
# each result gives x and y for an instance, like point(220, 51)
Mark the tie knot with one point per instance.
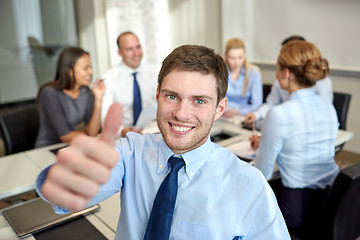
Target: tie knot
point(134, 74)
point(176, 164)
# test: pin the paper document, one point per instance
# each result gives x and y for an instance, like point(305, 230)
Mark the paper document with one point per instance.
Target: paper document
point(242, 149)
point(147, 115)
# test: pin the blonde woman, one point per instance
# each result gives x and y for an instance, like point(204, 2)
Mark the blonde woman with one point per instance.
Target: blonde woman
point(245, 92)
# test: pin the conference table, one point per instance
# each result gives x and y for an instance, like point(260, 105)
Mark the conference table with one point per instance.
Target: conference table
point(18, 172)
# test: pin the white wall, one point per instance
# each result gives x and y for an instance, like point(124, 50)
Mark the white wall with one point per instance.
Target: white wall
point(195, 22)
point(92, 33)
point(263, 25)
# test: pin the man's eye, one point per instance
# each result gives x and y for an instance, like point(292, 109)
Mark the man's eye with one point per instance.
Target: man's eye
point(171, 97)
point(199, 101)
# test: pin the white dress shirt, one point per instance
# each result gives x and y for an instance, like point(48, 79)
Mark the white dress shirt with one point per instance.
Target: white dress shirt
point(119, 83)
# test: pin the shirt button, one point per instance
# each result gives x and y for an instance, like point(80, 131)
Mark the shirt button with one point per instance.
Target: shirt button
point(161, 166)
point(190, 173)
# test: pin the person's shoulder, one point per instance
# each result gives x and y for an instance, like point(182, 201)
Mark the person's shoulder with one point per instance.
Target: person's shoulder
point(254, 72)
point(146, 136)
point(138, 140)
point(324, 81)
point(48, 91)
point(252, 67)
point(227, 160)
point(280, 111)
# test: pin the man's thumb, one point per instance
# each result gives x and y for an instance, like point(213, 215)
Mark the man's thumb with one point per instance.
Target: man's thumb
point(112, 123)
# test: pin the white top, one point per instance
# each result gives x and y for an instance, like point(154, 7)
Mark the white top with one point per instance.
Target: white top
point(119, 84)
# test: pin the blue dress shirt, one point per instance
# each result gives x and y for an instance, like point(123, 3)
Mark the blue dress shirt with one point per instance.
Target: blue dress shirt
point(300, 135)
point(219, 196)
point(254, 92)
point(277, 95)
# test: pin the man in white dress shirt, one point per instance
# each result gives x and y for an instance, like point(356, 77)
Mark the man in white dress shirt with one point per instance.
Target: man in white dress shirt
point(119, 81)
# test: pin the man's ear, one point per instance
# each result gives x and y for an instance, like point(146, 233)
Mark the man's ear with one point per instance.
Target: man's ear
point(119, 52)
point(157, 93)
point(220, 109)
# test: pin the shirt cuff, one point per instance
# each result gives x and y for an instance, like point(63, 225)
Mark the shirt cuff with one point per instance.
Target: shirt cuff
point(38, 184)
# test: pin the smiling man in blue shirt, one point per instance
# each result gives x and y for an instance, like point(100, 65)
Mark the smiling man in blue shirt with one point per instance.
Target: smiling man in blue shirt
point(218, 197)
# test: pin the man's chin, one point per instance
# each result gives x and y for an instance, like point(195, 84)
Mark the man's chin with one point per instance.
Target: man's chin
point(176, 144)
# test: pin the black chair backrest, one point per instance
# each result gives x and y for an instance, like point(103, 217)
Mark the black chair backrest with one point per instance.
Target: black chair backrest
point(18, 128)
point(17, 104)
point(341, 103)
point(266, 90)
point(342, 206)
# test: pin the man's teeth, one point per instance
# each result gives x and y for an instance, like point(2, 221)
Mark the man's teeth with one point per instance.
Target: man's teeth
point(181, 129)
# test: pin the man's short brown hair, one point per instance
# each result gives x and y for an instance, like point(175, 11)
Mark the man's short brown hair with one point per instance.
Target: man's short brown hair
point(198, 59)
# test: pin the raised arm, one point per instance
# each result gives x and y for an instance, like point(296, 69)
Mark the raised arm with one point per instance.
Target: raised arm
point(94, 126)
point(82, 167)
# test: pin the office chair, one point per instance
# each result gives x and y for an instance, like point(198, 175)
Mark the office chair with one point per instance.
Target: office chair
point(16, 104)
point(341, 212)
point(341, 103)
point(266, 90)
point(18, 128)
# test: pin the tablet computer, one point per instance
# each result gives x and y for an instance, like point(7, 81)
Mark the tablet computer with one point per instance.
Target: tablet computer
point(37, 215)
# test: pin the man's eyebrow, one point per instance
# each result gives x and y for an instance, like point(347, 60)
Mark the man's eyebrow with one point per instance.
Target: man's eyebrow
point(194, 96)
point(167, 91)
point(202, 97)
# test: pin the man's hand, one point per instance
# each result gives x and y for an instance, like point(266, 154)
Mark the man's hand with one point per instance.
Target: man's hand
point(82, 167)
point(249, 119)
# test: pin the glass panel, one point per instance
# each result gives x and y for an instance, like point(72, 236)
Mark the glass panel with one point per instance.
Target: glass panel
point(36, 32)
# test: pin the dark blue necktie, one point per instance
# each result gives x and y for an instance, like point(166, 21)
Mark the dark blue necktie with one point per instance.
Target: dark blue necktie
point(137, 100)
point(159, 224)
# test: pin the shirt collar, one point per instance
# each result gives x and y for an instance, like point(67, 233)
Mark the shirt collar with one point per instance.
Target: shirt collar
point(304, 92)
point(193, 159)
point(242, 72)
point(129, 70)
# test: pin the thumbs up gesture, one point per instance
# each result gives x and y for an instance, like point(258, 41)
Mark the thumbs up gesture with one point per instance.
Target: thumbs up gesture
point(82, 167)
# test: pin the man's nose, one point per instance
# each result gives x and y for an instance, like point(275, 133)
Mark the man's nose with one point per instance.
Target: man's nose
point(182, 111)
